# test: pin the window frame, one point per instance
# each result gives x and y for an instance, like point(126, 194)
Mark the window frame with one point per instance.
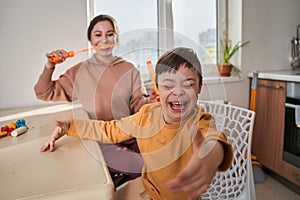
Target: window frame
point(165, 39)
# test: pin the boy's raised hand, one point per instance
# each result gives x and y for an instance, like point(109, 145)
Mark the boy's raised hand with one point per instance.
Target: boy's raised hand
point(61, 129)
point(200, 170)
point(154, 97)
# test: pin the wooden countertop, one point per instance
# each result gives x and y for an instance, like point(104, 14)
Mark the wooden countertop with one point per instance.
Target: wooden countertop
point(281, 75)
point(76, 170)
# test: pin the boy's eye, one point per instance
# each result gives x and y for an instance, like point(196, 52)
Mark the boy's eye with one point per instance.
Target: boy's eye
point(188, 85)
point(168, 87)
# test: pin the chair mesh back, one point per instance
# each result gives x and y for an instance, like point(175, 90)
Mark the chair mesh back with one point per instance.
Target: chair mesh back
point(237, 124)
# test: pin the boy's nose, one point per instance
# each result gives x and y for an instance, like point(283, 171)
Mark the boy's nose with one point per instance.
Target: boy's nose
point(178, 91)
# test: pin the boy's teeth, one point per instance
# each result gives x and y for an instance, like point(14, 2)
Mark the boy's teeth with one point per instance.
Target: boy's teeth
point(177, 103)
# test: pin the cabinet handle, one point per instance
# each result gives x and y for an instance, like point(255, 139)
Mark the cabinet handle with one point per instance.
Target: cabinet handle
point(289, 105)
point(270, 86)
point(297, 176)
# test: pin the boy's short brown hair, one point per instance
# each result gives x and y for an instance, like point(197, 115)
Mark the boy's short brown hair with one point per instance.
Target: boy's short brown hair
point(171, 60)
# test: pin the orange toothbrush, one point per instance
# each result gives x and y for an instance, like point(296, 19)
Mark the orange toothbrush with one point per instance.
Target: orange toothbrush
point(72, 53)
point(152, 76)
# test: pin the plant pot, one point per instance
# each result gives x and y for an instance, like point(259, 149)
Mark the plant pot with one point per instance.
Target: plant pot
point(225, 69)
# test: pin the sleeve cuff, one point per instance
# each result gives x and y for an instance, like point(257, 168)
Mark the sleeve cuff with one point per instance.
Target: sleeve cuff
point(228, 157)
point(72, 129)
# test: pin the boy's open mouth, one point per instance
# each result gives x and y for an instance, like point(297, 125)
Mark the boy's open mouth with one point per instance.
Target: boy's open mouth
point(177, 105)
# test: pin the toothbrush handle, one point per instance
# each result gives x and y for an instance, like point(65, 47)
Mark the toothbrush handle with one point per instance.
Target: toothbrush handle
point(56, 59)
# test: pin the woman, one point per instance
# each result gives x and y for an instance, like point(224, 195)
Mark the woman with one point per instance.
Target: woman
point(108, 87)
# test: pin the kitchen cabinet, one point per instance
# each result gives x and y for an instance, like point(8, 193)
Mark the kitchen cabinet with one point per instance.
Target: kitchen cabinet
point(268, 132)
point(269, 122)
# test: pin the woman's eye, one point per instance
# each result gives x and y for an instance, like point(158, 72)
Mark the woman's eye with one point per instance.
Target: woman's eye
point(98, 35)
point(110, 34)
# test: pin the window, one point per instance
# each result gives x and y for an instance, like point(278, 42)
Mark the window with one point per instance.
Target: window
point(138, 29)
point(197, 20)
point(149, 27)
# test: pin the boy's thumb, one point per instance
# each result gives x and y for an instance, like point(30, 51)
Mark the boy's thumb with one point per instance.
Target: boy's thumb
point(197, 138)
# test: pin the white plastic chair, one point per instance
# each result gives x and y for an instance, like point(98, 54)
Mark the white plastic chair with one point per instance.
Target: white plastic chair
point(237, 124)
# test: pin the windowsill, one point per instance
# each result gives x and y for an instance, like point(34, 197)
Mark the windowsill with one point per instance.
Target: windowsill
point(211, 75)
point(206, 80)
point(218, 79)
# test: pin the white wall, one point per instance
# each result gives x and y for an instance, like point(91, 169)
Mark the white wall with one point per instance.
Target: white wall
point(28, 30)
point(270, 25)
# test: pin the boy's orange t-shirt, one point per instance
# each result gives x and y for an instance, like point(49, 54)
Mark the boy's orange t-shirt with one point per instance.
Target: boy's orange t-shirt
point(166, 149)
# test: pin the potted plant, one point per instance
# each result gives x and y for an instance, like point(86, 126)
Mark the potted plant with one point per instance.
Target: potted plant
point(225, 67)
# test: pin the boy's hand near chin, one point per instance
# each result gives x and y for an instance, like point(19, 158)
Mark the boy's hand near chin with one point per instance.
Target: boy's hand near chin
point(200, 170)
point(154, 97)
point(61, 129)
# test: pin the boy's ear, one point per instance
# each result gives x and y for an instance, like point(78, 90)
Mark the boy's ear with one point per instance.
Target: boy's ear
point(200, 87)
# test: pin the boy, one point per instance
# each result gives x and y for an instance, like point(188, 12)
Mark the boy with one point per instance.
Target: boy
point(178, 141)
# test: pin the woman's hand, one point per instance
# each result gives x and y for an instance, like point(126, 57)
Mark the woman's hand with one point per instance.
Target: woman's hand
point(59, 55)
point(200, 170)
point(61, 129)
